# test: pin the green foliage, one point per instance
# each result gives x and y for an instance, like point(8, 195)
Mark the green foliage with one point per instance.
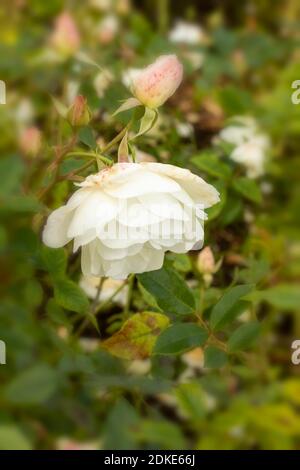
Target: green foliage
point(244, 336)
point(169, 290)
point(226, 308)
point(282, 296)
point(214, 357)
point(69, 296)
point(34, 386)
point(212, 165)
point(180, 337)
point(12, 438)
point(248, 189)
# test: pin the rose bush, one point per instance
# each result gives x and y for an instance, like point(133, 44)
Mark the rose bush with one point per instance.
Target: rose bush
point(168, 358)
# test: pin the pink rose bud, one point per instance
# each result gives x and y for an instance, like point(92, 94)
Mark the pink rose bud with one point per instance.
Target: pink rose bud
point(30, 141)
point(157, 82)
point(65, 37)
point(206, 261)
point(206, 264)
point(79, 114)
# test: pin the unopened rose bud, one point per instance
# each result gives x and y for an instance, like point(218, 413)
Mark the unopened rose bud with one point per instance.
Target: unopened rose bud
point(65, 37)
point(206, 264)
point(107, 29)
point(157, 82)
point(206, 261)
point(30, 141)
point(79, 114)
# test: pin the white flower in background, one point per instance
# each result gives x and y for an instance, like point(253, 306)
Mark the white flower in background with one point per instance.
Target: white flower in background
point(194, 359)
point(90, 285)
point(107, 29)
point(72, 89)
point(195, 58)
point(186, 33)
point(250, 145)
point(249, 217)
point(245, 317)
point(121, 7)
point(184, 129)
point(24, 113)
point(129, 75)
point(242, 129)
point(89, 345)
point(139, 367)
point(154, 84)
point(127, 216)
point(102, 5)
point(102, 81)
point(266, 187)
point(252, 155)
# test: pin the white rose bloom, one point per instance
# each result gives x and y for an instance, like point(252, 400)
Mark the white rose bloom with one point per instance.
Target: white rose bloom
point(186, 33)
point(250, 145)
point(241, 130)
point(127, 216)
point(252, 155)
point(90, 285)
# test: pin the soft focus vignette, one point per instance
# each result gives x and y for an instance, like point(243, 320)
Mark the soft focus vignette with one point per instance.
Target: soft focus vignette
point(144, 341)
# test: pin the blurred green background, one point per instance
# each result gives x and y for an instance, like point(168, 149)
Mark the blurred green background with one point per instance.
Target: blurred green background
point(59, 389)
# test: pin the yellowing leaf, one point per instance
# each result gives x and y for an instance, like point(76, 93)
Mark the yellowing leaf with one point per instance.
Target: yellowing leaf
point(137, 337)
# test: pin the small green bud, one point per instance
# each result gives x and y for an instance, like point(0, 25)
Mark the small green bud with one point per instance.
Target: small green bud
point(79, 114)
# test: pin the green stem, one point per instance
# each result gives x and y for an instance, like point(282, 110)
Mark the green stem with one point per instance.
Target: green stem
point(162, 15)
point(105, 160)
point(110, 299)
point(117, 138)
point(86, 321)
point(129, 295)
